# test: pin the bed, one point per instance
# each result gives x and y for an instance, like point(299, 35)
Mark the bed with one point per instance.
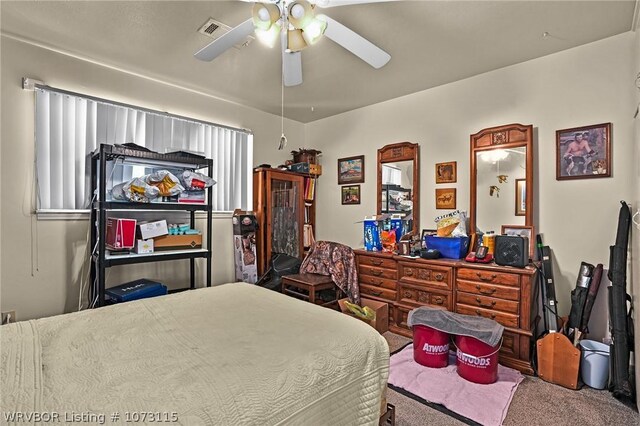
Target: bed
point(227, 355)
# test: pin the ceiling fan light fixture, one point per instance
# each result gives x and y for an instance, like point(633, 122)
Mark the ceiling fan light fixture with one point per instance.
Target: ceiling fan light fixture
point(314, 31)
point(268, 37)
point(295, 41)
point(300, 13)
point(265, 15)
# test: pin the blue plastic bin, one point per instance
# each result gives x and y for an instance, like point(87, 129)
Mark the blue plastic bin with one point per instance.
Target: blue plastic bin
point(449, 247)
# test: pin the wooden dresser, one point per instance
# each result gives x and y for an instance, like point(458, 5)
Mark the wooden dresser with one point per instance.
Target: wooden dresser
point(502, 293)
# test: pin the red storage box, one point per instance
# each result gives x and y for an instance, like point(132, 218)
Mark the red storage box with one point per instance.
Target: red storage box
point(121, 233)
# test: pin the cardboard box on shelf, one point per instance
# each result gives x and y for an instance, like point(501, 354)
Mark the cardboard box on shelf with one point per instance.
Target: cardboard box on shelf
point(152, 229)
point(144, 246)
point(380, 323)
point(177, 242)
point(121, 233)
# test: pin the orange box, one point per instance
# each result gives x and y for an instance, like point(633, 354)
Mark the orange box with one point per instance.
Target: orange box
point(177, 242)
point(381, 323)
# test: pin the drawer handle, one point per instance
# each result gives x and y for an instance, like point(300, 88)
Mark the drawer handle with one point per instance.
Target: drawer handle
point(439, 277)
point(490, 291)
point(493, 316)
point(375, 293)
point(408, 272)
point(438, 300)
point(376, 272)
point(493, 303)
point(408, 294)
point(376, 262)
point(376, 282)
point(484, 278)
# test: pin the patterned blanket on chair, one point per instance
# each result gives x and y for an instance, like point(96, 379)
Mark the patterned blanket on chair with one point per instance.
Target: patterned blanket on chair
point(336, 260)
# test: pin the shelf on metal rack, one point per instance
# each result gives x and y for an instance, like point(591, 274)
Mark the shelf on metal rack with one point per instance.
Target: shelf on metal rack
point(122, 205)
point(158, 256)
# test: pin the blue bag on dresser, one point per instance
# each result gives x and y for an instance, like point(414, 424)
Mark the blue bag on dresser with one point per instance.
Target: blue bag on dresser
point(449, 247)
point(134, 290)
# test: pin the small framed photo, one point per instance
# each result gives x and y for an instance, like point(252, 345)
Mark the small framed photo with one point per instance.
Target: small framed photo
point(522, 231)
point(351, 170)
point(521, 197)
point(583, 152)
point(446, 198)
point(351, 194)
point(446, 172)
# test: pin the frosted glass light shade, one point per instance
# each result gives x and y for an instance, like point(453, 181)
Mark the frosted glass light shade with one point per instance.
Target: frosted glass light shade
point(265, 15)
point(270, 36)
point(314, 31)
point(295, 41)
point(300, 14)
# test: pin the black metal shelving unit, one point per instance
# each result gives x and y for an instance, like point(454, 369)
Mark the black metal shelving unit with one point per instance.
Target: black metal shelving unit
point(101, 259)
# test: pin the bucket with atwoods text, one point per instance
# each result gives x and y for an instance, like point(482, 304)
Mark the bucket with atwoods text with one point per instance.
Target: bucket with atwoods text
point(476, 361)
point(430, 346)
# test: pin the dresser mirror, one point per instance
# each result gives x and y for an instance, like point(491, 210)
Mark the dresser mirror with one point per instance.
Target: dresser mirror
point(398, 181)
point(501, 178)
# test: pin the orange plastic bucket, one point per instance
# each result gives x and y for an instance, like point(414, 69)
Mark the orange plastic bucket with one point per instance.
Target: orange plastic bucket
point(430, 346)
point(476, 361)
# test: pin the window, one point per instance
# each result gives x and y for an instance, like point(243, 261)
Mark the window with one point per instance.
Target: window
point(70, 127)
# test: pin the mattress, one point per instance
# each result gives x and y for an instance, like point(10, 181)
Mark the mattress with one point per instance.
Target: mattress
point(234, 354)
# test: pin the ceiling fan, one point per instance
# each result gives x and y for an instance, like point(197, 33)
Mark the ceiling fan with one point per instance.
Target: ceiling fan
point(297, 26)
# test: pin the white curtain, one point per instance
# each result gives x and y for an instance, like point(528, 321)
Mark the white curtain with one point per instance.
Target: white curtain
point(391, 175)
point(69, 128)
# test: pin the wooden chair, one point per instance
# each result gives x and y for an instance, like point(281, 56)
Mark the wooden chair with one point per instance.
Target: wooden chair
point(307, 287)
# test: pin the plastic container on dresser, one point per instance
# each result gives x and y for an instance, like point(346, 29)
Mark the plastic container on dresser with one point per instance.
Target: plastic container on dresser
point(497, 292)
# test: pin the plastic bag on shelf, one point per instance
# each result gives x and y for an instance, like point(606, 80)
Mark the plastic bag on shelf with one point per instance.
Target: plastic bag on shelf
point(194, 181)
point(135, 190)
point(452, 224)
point(167, 183)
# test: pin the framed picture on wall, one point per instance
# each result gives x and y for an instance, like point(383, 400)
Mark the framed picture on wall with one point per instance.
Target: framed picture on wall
point(351, 170)
point(446, 172)
point(521, 197)
point(583, 152)
point(521, 231)
point(351, 194)
point(445, 198)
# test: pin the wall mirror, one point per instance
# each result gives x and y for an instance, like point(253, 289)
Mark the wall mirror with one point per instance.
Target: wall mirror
point(398, 181)
point(501, 178)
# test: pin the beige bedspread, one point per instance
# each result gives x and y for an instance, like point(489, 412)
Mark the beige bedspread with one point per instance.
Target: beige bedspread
point(228, 355)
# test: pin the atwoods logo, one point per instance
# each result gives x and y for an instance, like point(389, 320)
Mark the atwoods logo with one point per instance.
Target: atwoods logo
point(435, 350)
point(471, 360)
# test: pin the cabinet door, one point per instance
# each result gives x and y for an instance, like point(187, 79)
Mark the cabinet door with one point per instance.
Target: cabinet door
point(285, 215)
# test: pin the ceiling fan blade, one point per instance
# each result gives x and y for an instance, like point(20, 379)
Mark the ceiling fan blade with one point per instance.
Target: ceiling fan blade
point(225, 41)
point(333, 3)
point(291, 64)
point(355, 43)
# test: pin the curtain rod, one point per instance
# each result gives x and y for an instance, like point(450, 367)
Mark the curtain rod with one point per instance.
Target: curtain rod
point(43, 86)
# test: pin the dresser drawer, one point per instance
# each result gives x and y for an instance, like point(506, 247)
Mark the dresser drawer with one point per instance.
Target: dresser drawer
point(402, 315)
point(490, 277)
point(433, 276)
point(379, 292)
point(377, 261)
point(499, 291)
point(508, 320)
point(510, 344)
point(373, 271)
point(419, 296)
point(378, 282)
point(478, 301)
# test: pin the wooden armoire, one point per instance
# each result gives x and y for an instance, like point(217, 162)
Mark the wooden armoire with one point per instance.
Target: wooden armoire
point(284, 203)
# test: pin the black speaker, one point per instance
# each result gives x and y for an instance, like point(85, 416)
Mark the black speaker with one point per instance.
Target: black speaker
point(511, 250)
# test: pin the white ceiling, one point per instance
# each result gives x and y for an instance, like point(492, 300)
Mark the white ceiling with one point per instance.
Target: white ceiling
point(431, 43)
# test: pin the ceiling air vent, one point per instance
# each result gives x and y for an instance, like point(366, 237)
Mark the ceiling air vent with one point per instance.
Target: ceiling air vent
point(214, 29)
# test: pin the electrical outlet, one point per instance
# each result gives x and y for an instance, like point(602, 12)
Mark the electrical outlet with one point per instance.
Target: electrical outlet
point(8, 317)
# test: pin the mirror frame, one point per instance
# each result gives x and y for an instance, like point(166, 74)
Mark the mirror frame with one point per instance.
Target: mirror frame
point(402, 151)
point(502, 137)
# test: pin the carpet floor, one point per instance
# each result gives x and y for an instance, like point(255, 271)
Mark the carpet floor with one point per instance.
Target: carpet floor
point(536, 402)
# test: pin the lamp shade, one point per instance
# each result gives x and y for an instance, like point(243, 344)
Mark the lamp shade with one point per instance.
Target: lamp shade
point(314, 31)
point(265, 15)
point(295, 41)
point(270, 36)
point(300, 14)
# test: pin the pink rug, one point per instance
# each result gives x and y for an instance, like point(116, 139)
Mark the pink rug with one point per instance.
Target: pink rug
point(484, 404)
